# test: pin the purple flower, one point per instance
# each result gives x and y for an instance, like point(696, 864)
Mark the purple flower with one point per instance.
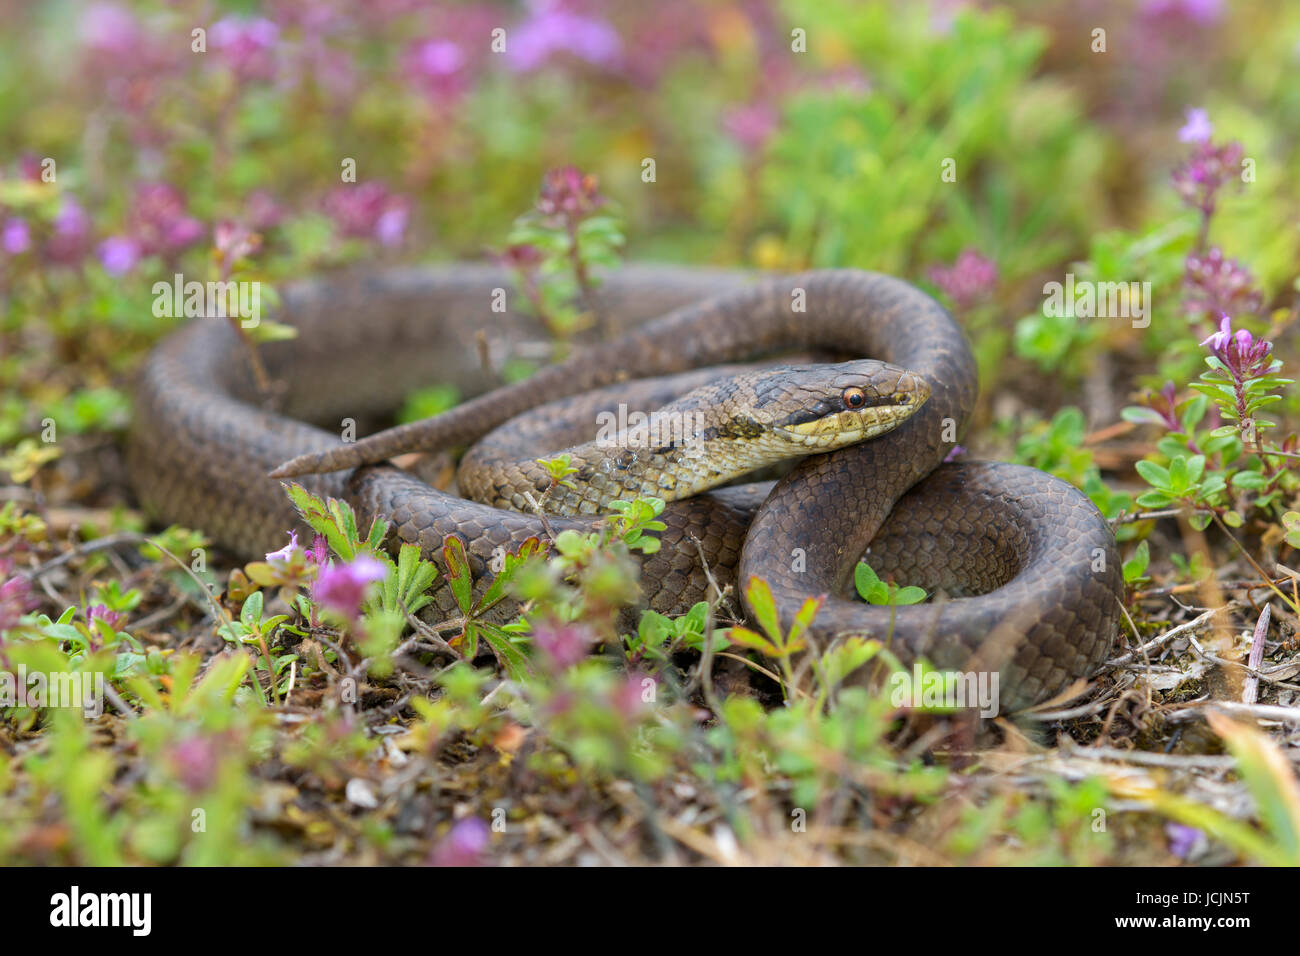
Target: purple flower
point(195, 761)
point(118, 255)
point(568, 194)
point(1244, 357)
point(1195, 12)
point(1167, 408)
point(234, 242)
point(968, 280)
point(1209, 169)
point(261, 211)
point(438, 66)
point(368, 211)
point(391, 225)
point(1215, 283)
point(552, 29)
point(522, 256)
point(246, 45)
point(109, 28)
point(954, 453)
point(563, 644)
point(1183, 839)
point(15, 237)
point(70, 237)
point(319, 552)
point(114, 619)
point(341, 587)
point(159, 221)
point(15, 596)
point(629, 699)
point(751, 126)
point(285, 553)
point(29, 167)
point(1197, 129)
point(464, 845)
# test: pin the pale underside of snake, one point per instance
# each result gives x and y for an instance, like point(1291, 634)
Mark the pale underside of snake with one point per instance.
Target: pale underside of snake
point(1024, 567)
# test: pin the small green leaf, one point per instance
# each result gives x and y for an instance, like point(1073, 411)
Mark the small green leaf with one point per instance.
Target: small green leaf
point(458, 572)
point(761, 602)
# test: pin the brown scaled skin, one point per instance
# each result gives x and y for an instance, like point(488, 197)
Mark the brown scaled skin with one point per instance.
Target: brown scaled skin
point(199, 454)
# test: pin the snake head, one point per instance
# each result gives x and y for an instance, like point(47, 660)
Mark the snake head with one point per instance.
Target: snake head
point(818, 408)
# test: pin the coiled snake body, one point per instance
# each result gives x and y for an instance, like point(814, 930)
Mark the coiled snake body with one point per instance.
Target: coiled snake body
point(1028, 563)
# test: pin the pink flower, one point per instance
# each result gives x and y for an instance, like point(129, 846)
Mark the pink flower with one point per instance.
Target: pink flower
point(438, 66)
point(1183, 840)
point(234, 241)
point(261, 211)
point(751, 126)
point(246, 45)
point(341, 587)
point(629, 698)
point(69, 241)
point(567, 193)
point(159, 221)
point(390, 227)
point(969, 279)
point(195, 761)
point(100, 612)
point(1243, 356)
point(553, 30)
point(1195, 12)
point(464, 845)
point(285, 553)
point(562, 644)
point(15, 596)
point(1197, 129)
point(109, 28)
point(1209, 169)
point(522, 256)
point(319, 552)
point(15, 237)
point(368, 211)
point(118, 255)
point(1215, 283)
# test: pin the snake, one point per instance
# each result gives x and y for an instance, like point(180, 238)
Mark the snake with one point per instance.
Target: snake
point(1023, 569)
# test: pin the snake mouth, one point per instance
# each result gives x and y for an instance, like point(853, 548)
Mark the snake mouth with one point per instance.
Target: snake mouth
point(883, 413)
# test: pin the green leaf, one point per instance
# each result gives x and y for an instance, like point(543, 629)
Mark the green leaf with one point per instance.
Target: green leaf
point(1153, 474)
point(1136, 566)
point(802, 621)
point(251, 613)
point(1251, 480)
point(909, 595)
point(458, 572)
point(744, 637)
point(516, 663)
point(865, 579)
point(763, 606)
point(1142, 416)
point(1154, 499)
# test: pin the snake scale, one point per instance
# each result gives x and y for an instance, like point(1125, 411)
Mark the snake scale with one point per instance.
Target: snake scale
point(1027, 567)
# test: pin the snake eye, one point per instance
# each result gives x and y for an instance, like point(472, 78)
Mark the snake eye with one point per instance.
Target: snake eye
point(854, 398)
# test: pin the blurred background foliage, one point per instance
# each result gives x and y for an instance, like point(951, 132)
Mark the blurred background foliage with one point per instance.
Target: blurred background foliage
point(764, 155)
point(978, 149)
